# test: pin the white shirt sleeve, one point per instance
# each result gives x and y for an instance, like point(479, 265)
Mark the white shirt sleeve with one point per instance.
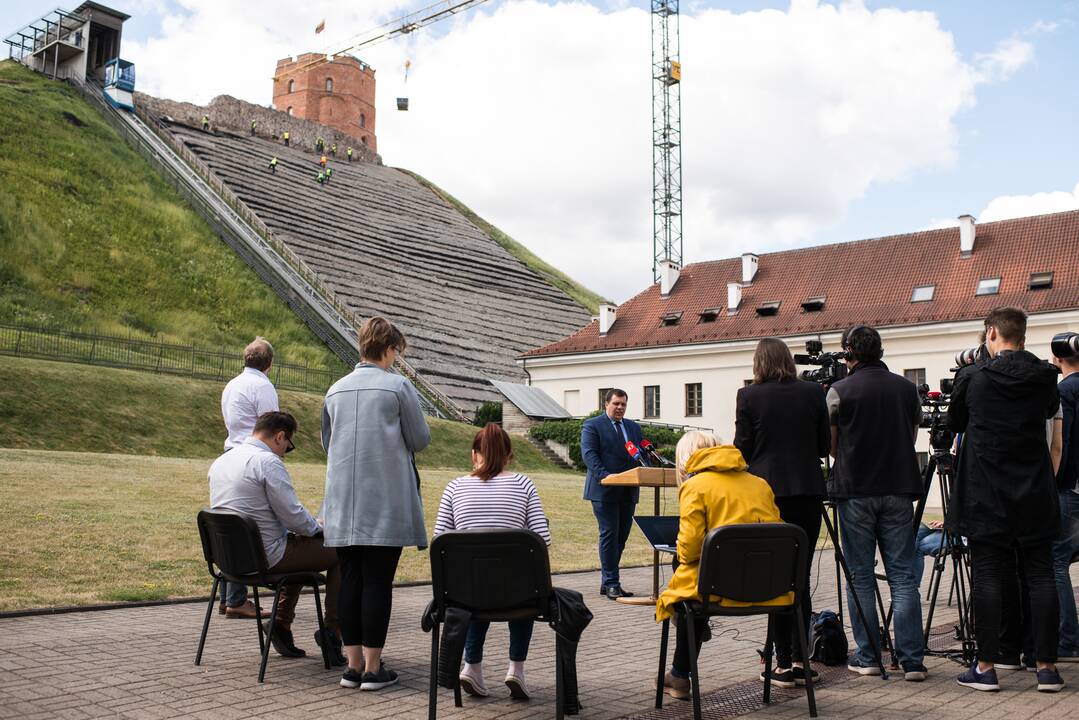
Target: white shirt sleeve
point(265, 399)
point(282, 498)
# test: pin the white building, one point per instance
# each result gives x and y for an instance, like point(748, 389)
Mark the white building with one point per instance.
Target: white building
point(682, 347)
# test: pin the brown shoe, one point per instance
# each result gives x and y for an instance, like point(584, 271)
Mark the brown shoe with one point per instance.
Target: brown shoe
point(246, 611)
point(676, 687)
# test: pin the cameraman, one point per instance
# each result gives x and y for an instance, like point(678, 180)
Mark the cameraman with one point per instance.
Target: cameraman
point(1005, 500)
point(875, 415)
point(1067, 543)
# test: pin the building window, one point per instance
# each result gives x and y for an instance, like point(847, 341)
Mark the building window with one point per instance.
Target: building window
point(670, 319)
point(813, 304)
point(768, 309)
point(289, 110)
point(1041, 280)
point(603, 398)
point(571, 401)
point(364, 139)
point(923, 293)
point(694, 400)
point(292, 86)
point(651, 401)
point(709, 315)
point(988, 286)
point(363, 120)
point(329, 85)
point(916, 376)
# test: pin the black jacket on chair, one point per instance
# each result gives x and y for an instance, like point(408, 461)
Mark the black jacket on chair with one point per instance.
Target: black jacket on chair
point(782, 429)
point(1004, 490)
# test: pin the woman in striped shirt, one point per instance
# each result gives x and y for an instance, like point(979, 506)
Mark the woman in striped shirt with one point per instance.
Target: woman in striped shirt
point(491, 498)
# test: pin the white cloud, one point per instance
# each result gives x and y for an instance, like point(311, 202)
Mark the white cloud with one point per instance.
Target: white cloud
point(1013, 206)
point(538, 115)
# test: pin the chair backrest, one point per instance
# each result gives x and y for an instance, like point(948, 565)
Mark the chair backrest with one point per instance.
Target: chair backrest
point(490, 569)
point(754, 562)
point(232, 542)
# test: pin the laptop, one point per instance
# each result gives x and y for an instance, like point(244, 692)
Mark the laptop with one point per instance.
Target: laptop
point(660, 530)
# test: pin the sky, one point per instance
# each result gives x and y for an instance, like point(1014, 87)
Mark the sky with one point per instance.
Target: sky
point(804, 122)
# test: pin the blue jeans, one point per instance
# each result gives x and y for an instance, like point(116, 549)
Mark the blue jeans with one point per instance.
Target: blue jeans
point(1065, 546)
point(615, 521)
point(520, 637)
point(887, 521)
point(928, 545)
point(234, 595)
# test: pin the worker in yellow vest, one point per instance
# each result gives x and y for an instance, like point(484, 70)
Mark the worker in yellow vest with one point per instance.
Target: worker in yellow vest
point(206, 123)
point(333, 149)
point(348, 151)
point(273, 165)
point(254, 126)
point(285, 138)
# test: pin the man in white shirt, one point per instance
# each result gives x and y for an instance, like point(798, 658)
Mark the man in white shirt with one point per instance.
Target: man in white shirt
point(246, 396)
point(249, 394)
point(251, 480)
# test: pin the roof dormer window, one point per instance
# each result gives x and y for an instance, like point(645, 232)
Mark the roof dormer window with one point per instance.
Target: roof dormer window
point(988, 286)
point(1041, 280)
point(813, 304)
point(670, 319)
point(768, 309)
point(923, 293)
point(709, 315)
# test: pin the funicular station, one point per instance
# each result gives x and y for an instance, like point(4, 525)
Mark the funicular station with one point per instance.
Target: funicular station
point(76, 45)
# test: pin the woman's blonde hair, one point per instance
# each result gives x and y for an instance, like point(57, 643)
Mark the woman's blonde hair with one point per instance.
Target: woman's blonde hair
point(690, 443)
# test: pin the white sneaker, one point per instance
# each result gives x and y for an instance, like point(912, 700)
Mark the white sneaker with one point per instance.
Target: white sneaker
point(472, 681)
point(516, 684)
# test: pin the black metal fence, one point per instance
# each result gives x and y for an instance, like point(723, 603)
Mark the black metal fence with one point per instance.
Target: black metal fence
point(152, 356)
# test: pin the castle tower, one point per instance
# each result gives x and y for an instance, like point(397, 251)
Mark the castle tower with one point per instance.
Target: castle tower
point(339, 93)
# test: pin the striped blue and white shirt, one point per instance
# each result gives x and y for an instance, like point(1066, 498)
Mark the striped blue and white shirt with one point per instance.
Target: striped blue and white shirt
point(507, 501)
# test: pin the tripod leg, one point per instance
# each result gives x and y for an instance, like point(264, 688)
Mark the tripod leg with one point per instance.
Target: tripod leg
point(842, 563)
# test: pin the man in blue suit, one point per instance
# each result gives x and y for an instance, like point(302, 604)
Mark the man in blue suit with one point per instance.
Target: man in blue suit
point(603, 446)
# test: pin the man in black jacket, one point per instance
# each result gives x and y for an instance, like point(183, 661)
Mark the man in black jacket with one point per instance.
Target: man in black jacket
point(875, 480)
point(1005, 499)
point(1067, 543)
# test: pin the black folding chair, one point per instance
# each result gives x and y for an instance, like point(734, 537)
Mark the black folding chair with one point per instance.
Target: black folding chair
point(234, 552)
point(497, 575)
point(752, 564)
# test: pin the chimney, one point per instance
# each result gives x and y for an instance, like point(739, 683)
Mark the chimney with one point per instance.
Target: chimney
point(668, 276)
point(966, 235)
point(607, 315)
point(749, 267)
point(734, 297)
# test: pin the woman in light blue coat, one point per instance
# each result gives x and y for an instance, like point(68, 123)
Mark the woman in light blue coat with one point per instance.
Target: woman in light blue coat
point(372, 426)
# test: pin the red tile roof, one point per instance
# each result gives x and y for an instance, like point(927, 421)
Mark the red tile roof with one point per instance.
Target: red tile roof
point(866, 281)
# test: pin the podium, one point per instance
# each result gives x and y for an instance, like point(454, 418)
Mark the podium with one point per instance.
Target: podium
point(642, 477)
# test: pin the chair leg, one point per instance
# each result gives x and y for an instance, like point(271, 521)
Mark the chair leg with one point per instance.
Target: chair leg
point(432, 697)
point(266, 647)
point(769, 639)
point(457, 689)
point(800, 624)
point(206, 621)
point(559, 681)
point(694, 681)
point(664, 639)
point(322, 628)
point(258, 618)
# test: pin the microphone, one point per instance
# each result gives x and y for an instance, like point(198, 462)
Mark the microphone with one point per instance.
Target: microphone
point(635, 453)
point(649, 448)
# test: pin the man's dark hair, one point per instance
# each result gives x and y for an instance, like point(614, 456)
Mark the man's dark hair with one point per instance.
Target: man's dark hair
point(274, 422)
point(613, 393)
point(1010, 322)
point(862, 343)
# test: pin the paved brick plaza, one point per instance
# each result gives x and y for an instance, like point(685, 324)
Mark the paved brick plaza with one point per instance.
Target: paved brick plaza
point(138, 663)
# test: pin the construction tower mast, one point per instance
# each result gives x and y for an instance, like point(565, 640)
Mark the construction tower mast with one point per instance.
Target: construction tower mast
point(666, 136)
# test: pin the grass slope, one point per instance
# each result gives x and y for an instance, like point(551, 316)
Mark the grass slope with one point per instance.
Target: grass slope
point(92, 238)
point(85, 528)
point(585, 297)
point(63, 406)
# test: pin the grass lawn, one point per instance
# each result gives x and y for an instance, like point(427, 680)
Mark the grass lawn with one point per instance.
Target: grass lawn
point(83, 528)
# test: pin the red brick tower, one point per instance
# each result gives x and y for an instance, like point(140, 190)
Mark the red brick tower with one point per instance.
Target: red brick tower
point(339, 93)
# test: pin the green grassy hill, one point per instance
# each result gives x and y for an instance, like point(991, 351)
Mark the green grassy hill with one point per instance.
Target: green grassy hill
point(92, 238)
point(62, 406)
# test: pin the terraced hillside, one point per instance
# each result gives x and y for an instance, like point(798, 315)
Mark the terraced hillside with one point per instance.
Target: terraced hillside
point(386, 244)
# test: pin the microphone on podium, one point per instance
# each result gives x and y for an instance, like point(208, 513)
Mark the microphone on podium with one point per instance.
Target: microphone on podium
point(650, 449)
point(635, 453)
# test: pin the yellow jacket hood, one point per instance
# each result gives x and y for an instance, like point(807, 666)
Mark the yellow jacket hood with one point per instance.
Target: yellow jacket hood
point(722, 458)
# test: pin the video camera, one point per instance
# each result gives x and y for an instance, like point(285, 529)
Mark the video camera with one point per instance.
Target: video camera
point(935, 414)
point(1065, 345)
point(832, 365)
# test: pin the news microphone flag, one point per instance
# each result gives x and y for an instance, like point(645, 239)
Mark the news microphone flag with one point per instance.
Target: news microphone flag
point(634, 452)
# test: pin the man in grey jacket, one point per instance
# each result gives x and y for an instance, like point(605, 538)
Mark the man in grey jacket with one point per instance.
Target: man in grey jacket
point(251, 480)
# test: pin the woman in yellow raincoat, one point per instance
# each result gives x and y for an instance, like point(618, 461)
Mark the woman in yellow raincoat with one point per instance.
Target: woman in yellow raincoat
point(714, 490)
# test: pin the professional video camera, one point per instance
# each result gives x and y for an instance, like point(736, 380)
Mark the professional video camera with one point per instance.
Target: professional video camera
point(832, 365)
point(935, 414)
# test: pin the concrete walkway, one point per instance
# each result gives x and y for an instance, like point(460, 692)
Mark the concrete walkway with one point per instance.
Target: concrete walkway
point(139, 663)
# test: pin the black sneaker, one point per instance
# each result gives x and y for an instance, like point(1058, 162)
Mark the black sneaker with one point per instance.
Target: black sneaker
point(283, 642)
point(337, 659)
point(986, 681)
point(783, 678)
point(800, 675)
point(914, 672)
point(351, 678)
point(1049, 681)
point(376, 681)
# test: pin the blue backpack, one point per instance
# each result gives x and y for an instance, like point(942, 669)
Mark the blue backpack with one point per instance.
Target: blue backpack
point(829, 642)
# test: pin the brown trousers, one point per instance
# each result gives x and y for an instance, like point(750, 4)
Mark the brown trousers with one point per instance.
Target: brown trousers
point(308, 553)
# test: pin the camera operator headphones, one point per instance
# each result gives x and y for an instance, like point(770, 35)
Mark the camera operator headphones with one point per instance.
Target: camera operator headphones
point(847, 354)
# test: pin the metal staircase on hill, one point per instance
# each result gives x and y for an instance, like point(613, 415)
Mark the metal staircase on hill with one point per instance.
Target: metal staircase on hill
point(241, 229)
